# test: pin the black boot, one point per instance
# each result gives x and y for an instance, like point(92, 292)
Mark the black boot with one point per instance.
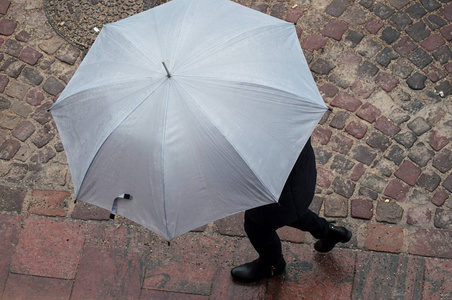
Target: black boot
point(257, 270)
point(335, 235)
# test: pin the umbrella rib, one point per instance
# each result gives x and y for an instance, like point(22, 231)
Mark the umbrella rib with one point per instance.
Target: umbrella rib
point(145, 53)
point(113, 130)
point(241, 36)
point(163, 160)
point(219, 130)
point(239, 84)
point(90, 90)
point(181, 27)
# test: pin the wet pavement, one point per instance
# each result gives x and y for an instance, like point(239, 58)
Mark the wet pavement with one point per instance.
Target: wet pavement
point(384, 158)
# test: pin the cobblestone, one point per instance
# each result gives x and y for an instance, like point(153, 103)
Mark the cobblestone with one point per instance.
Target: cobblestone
point(447, 184)
point(429, 181)
point(339, 120)
point(24, 130)
point(12, 67)
point(439, 197)
point(31, 76)
point(30, 56)
point(404, 46)
point(378, 141)
point(396, 190)
point(416, 11)
point(314, 42)
point(384, 125)
point(68, 54)
point(11, 199)
point(346, 101)
point(435, 22)
point(389, 35)
point(373, 26)
point(341, 164)
point(443, 218)
point(336, 207)
point(337, 7)
point(363, 89)
point(357, 172)
point(417, 81)
point(322, 67)
point(400, 21)
point(362, 209)
point(430, 5)
point(374, 182)
point(23, 36)
point(7, 27)
point(366, 192)
point(53, 86)
point(357, 129)
point(408, 172)
point(353, 38)
point(386, 81)
point(420, 154)
point(443, 160)
point(43, 136)
point(420, 58)
point(433, 42)
point(364, 154)
point(407, 139)
point(419, 197)
point(442, 54)
point(335, 29)
point(389, 212)
point(418, 215)
point(8, 149)
point(383, 11)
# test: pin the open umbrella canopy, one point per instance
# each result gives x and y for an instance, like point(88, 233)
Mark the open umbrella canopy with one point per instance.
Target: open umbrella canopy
point(196, 108)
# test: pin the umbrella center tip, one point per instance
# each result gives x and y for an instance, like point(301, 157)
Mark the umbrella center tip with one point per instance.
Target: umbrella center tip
point(168, 74)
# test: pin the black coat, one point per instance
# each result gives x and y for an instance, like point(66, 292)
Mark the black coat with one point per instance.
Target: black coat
point(296, 195)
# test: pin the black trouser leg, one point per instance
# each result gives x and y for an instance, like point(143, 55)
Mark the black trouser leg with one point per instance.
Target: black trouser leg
point(264, 240)
point(312, 223)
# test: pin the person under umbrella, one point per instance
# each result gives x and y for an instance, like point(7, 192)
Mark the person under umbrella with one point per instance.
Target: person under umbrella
point(292, 210)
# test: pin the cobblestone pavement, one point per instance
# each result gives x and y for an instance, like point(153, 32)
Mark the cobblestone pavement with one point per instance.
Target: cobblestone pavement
point(384, 169)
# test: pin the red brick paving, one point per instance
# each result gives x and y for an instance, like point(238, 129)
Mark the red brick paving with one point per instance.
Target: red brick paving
point(382, 237)
point(388, 276)
point(311, 275)
point(114, 271)
point(49, 248)
point(127, 262)
point(37, 288)
point(438, 279)
point(9, 237)
point(48, 203)
point(188, 265)
point(431, 242)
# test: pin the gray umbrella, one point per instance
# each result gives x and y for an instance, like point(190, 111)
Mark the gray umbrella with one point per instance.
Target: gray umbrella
point(198, 109)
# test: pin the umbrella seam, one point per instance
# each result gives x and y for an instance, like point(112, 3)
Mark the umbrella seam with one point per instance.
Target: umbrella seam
point(242, 36)
point(254, 84)
point(179, 35)
point(258, 178)
point(56, 104)
point(103, 142)
point(258, 125)
point(163, 161)
point(134, 45)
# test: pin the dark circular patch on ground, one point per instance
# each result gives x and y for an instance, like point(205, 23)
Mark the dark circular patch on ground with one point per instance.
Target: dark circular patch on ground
point(78, 21)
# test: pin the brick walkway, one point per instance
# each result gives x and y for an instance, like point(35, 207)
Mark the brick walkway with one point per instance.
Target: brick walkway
point(384, 162)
